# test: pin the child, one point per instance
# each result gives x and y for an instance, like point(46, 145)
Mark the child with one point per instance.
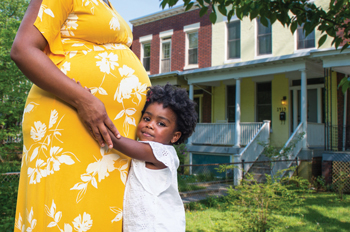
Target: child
point(152, 201)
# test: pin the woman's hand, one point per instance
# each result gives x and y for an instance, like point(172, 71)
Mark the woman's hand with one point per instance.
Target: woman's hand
point(93, 114)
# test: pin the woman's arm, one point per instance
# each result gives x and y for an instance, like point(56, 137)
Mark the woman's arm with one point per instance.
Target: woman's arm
point(136, 150)
point(27, 53)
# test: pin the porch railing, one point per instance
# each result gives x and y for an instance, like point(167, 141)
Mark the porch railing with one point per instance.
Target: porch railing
point(254, 148)
point(315, 134)
point(290, 150)
point(224, 133)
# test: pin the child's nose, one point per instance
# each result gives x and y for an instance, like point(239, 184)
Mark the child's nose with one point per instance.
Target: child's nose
point(150, 125)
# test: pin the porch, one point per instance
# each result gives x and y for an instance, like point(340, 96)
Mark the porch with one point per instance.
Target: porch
point(224, 134)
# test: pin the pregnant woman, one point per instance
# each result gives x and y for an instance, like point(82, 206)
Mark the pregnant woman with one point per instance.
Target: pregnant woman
point(70, 179)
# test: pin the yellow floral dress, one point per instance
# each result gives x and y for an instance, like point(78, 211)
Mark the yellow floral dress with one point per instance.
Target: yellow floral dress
point(68, 183)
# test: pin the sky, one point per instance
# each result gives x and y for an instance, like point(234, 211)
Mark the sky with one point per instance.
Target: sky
point(132, 9)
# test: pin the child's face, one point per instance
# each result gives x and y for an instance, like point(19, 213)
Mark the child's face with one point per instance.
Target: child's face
point(158, 124)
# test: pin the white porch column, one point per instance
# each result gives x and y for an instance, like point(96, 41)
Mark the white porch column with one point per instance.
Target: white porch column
point(295, 109)
point(238, 114)
point(237, 171)
point(319, 105)
point(303, 103)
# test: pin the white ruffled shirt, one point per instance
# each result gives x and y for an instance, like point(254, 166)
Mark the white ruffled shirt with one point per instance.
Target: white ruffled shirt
point(152, 201)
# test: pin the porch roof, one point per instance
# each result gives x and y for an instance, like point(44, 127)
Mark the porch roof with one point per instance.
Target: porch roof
point(313, 61)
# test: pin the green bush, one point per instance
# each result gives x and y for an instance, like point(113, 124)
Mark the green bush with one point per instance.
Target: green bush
point(257, 201)
point(14, 166)
point(8, 199)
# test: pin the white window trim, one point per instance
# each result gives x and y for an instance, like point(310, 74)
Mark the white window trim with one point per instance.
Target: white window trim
point(226, 60)
point(302, 50)
point(188, 29)
point(257, 56)
point(161, 51)
point(165, 34)
point(144, 40)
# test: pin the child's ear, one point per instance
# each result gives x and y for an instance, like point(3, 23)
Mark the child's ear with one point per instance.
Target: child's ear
point(176, 136)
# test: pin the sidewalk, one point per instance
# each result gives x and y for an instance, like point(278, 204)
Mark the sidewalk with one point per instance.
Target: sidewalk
point(210, 190)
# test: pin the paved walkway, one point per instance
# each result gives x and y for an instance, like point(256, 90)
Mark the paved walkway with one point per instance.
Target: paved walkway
point(211, 190)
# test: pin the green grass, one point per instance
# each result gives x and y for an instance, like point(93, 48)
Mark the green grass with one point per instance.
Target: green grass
point(320, 212)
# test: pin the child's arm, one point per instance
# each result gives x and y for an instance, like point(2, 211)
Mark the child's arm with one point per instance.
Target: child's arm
point(135, 150)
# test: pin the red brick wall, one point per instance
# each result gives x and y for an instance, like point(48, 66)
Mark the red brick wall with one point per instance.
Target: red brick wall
point(176, 23)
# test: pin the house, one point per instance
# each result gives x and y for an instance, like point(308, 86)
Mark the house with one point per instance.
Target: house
point(252, 83)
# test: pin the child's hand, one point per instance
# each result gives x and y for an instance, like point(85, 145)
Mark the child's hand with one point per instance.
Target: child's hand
point(78, 82)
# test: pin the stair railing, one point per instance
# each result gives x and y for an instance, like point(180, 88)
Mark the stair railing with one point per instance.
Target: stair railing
point(254, 148)
point(289, 151)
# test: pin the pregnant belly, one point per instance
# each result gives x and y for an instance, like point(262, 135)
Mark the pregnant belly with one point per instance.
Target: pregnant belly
point(116, 77)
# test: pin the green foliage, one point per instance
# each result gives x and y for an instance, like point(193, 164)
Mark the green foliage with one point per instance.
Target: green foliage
point(319, 183)
point(258, 201)
point(8, 199)
point(182, 152)
point(341, 180)
point(275, 153)
point(14, 166)
point(14, 86)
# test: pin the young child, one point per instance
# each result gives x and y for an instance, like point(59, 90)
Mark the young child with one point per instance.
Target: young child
point(152, 201)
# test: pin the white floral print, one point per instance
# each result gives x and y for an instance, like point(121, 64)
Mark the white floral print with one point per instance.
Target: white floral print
point(100, 170)
point(69, 25)
point(65, 67)
point(129, 87)
point(108, 61)
point(30, 217)
point(55, 158)
point(82, 224)
point(118, 212)
point(44, 9)
point(38, 131)
point(114, 24)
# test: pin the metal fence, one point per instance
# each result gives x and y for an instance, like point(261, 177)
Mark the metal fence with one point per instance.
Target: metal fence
point(9, 177)
point(199, 181)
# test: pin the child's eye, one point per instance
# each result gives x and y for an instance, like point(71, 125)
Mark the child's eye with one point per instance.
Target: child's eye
point(146, 119)
point(161, 124)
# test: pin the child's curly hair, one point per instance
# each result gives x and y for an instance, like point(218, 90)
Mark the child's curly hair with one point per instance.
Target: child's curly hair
point(177, 99)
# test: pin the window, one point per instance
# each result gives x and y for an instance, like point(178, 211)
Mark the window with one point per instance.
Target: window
point(234, 39)
point(193, 48)
point(231, 103)
point(264, 101)
point(264, 38)
point(146, 59)
point(166, 55)
point(305, 41)
point(191, 57)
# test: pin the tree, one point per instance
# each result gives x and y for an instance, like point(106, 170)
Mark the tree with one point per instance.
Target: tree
point(333, 22)
point(14, 86)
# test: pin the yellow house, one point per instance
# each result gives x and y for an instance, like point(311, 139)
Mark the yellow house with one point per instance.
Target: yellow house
point(265, 83)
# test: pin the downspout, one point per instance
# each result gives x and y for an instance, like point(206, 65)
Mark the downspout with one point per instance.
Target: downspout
point(344, 118)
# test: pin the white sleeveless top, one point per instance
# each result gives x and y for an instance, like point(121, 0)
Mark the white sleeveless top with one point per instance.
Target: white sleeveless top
point(152, 201)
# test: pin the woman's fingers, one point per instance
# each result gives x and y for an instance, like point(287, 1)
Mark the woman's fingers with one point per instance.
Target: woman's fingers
point(112, 128)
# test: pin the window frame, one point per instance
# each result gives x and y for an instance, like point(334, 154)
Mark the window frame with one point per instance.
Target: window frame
point(191, 29)
point(227, 59)
point(165, 40)
point(145, 40)
point(257, 47)
point(165, 37)
point(296, 38)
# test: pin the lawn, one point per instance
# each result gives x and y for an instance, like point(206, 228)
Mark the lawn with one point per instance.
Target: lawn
point(319, 212)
